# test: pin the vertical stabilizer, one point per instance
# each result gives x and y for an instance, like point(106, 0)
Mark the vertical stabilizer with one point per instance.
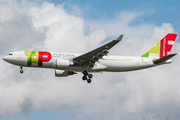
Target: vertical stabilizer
point(163, 47)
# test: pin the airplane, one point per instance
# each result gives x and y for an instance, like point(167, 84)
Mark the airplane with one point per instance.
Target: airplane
point(97, 60)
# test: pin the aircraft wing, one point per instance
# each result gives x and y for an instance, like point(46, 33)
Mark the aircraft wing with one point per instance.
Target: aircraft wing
point(91, 57)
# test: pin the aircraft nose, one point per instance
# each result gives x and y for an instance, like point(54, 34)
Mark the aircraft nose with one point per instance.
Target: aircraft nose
point(4, 58)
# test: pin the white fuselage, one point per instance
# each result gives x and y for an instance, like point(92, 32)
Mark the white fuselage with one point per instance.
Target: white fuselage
point(108, 63)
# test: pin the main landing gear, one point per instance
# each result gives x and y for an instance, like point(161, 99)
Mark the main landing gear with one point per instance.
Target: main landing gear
point(21, 71)
point(87, 76)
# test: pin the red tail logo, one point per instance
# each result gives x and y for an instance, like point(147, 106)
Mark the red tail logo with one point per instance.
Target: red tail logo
point(166, 44)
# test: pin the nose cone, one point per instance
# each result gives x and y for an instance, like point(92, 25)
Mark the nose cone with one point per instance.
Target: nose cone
point(7, 58)
point(4, 58)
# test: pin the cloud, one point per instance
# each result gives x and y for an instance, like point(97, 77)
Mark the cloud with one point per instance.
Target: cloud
point(26, 106)
point(111, 95)
point(17, 32)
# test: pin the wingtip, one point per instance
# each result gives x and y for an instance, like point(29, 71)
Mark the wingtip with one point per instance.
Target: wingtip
point(119, 38)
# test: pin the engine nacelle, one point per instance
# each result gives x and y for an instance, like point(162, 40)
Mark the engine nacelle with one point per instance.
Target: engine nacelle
point(63, 73)
point(62, 64)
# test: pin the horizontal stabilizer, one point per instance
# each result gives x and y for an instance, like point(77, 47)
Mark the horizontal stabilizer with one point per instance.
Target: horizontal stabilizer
point(157, 61)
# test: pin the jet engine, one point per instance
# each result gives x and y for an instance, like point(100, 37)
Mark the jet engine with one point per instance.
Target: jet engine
point(63, 73)
point(61, 64)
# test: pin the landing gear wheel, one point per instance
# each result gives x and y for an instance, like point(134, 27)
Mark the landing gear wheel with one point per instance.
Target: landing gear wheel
point(85, 73)
point(84, 78)
point(87, 76)
point(89, 80)
point(21, 71)
point(90, 75)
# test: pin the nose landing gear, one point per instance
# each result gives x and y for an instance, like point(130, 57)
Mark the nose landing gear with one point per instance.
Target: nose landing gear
point(87, 76)
point(21, 71)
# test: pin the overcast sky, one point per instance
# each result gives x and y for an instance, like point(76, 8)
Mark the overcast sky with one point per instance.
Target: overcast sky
point(78, 27)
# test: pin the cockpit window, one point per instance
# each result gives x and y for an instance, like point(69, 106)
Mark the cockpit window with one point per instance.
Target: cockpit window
point(10, 54)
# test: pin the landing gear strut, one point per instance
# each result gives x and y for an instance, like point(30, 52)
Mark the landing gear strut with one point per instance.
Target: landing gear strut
point(87, 76)
point(21, 71)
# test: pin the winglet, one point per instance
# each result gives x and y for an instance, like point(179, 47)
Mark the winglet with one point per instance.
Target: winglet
point(119, 38)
